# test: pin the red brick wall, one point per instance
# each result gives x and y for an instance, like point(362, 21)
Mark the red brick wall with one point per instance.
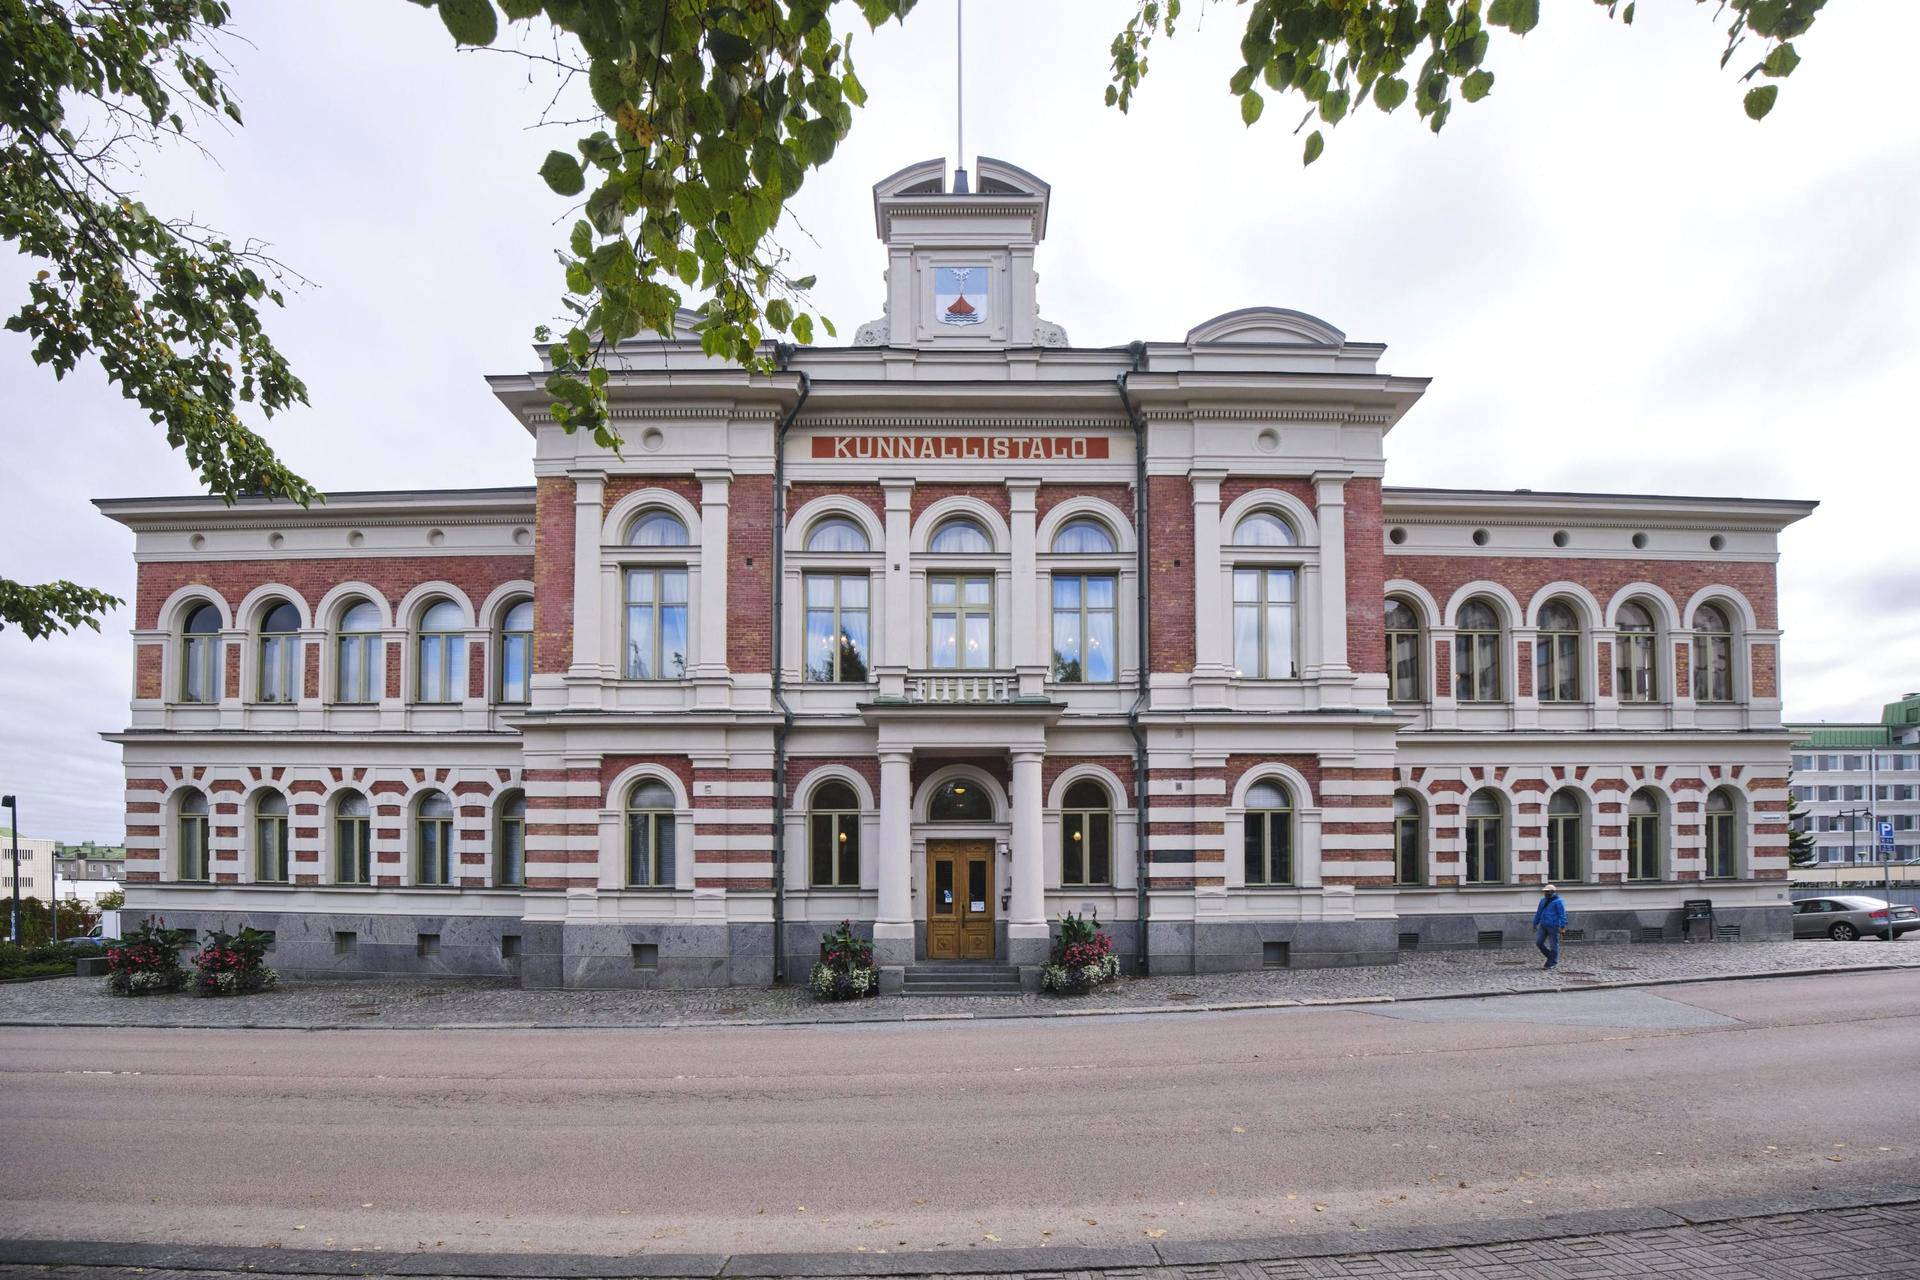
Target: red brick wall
point(553, 576)
point(611, 767)
point(1234, 488)
point(391, 576)
point(1525, 575)
point(1170, 638)
point(618, 487)
point(994, 495)
point(1120, 767)
point(148, 660)
point(1366, 578)
point(798, 767)
point(750, 574)
point(800, 493)
point(1052, 495)
point(1766, 679)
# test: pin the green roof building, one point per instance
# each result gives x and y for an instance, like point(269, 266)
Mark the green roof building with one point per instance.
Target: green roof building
point(1850, 776)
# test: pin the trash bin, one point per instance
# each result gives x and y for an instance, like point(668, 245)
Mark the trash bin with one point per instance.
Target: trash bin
point(1696, 919)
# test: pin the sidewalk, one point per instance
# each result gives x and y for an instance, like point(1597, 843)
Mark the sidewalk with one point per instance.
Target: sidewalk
point(455, 1002)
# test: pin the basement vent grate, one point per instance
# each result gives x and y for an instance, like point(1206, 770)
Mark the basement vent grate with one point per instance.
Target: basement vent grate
point(426, 944)
point(646, 955)
point(1649, 933)
point(1731, 932)
point(1573, 935)
point(1492, 938)
point(1409, 942)
point(343, 942)
point(1275, 955)
point(509, 946)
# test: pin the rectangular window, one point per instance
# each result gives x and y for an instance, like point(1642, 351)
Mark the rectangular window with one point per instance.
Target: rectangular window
point(512, 859)
point(436, 850)
point(1854, 793)
point(1829, 793)
point(835, 836)
point(200, 676)
point(1557, 666)
point(656, 624)
point(279, 680)
point(959, 621)
point(1086, 848)
point(442, 667)
point(1263, 624)
point(1720, 846)
point(353, 851)
point(516, 665)
point(359, 668)
point(1403, 666)
point(1827, 763)
point(1269, 847)
point(1636, 667)
point(837, 630)
point(650, 849)
point(270, 838)
point(1485, 863)
point(1476, 666)
point(1856, 763)
point(1643, 846)
point(1084, 610)
point(1713, 668)
point(1563, 846)
point(1409, 867)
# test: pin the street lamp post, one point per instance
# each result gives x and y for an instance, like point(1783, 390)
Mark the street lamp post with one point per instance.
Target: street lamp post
point(13, 830)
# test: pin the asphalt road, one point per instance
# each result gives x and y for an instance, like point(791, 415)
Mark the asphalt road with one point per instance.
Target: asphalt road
point(947, 1135)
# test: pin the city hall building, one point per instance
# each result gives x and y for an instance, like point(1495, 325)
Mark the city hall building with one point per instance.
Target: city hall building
point(945, 633)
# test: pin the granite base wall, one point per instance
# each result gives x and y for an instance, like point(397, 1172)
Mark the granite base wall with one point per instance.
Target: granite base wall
point(386, 945)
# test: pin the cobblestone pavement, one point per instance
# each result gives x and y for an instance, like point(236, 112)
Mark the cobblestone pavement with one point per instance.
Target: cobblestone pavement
point(1882, 1240)
point(468, 1002)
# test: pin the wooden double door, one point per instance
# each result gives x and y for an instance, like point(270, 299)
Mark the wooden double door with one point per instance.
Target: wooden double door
point(959, 900)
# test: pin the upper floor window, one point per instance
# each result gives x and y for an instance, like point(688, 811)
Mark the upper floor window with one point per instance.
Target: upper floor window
point(1712, 655)
point(358, 665)
point(1486, 839)
point(961, 535)
point(280, 653)
point(837, 627)
point(656, 624)
point(1268, 839)
point(1264, 529)
point(1476, 653)
point(834, 835)
point(959, 801)
point(1086, 835)
point(1636, 660)
point(270, 837)
point(657, 529)
point(440, 654)
point(650, 835)
point(352, 839)
point(200, 655)
point(1557, 654)
point(1084, 627)
point(510, 841)
point(1643, 836)
point(1264, 608)
point(192, 832)
point(1722, 836)
point(1403, 652)
point(959, 620)
point(836, 533)
point(1563, 835)
point(1409, 855)
point(515, 647)
point(1083, 536)
point(433, 839)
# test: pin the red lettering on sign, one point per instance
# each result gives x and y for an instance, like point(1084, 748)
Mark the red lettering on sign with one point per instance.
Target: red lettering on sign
point(962, 448)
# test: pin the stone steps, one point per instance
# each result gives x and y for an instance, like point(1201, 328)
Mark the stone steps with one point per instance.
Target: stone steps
point(961, 978)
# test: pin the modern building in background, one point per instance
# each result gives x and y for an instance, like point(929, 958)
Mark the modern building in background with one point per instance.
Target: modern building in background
point(36, 867)
point(88, 870)
point(1850, 777)
point(945, 633)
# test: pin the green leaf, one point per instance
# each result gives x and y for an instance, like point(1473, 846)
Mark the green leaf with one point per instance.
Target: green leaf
point(779, 314)
point(1315, 145)
point(1781, 61)
point(581, 241)
point(1759, 101)
point(803, 329)
point(1389, 92)
point(562, 173)
point(1476, 86)
point(1251, 105)
point(470, 21)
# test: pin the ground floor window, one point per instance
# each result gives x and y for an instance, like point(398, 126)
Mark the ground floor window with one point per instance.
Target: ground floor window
point(1409, 856)
point(1486, 840)
point(650, 835)
point(1643, 837)
point(1563, 836)
point(433, 840)
point(1086, 835)
point(1268, 839)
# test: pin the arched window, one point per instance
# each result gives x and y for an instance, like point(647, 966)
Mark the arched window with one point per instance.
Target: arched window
point(1264, 529)
point(200, 655)
point(515, 647)
point(1085, 614)
point(1404, 647)
point(359, 663)
point(1563, 835)
point(838, 622)
point(270, 837)
point(1086, 835)
point(834, 835)
point(1268, 838)
point(440, 654)
point(192, 832)
point(959, 801)
point(1643, 835)
point(1557, 654)
point(280, 653)
point(1476, 652)
point(510, 842)
point(650, 835)
point(1635, 659)
point(1712, 655)
point(433, 839)
point(1723, 837)
point(657, 528)
point(836, 533)
point(656, 624)
point(1409, 852)
point(352, 839)
point(1083, 536)
point(1486, 839)
point(962, 535)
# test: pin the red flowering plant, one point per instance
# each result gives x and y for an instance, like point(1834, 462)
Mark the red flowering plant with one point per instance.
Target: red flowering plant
point(233, 964)
point(1082, 957)
point(845, 971)
point(146, 960)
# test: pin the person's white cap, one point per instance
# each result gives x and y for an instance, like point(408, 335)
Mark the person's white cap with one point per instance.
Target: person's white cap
point(1548, 889)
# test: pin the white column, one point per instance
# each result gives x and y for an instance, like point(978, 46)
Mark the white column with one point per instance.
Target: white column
point(1029, 918)
point(892, 647)
point(1022, 610)
point(893, 927)
point(714, 487)
point(587, 605)
point(1330, 502)
point(1212, 623)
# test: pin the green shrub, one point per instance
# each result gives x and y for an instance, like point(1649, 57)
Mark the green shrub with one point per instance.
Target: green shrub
point(233, 964)
point(146, 960)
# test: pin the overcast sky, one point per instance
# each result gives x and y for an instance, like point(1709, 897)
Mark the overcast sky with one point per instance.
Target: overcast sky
point(1616, 281)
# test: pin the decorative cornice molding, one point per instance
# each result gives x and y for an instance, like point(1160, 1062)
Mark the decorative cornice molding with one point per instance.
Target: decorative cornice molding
point(1337, 417)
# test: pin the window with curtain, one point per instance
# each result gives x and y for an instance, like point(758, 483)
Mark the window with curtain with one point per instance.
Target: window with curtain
point(1264, 529)
point(279, 678)
point(1404, 650)
point(1083, 536)
point(440, 666)
point(656, 643)
point(200, 655)
point(514, 666)
point(1712, 655)
point(1723, 847)
point(358, 665)
point(1086, 835)
point(191, 834)
point(1264, 617)
point(1085, 610)
point(1476, 653)
point(1486, 839)
point(959, 621)
point(1643, 836)
point(1409, 850)
point(270, 837)
point(650, 835)
point(1635, 656)
point(433, 839)
point(657, 528)
point(510, 841)
point(1563, 836)
point(834, 836)
point(959, 801)
point(1267, 839)
point(1556, 676)
point(837, 627)
point(962, 536)
point(836, 533)
point(352, 839)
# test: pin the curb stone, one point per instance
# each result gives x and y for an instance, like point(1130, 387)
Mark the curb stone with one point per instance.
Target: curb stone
point(106, 1255)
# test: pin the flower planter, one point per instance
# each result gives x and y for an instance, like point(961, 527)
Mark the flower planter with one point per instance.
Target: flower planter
point(845, 971)
point(1082, 958)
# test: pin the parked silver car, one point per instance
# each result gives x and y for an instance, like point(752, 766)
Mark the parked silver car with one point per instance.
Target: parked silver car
point(1848, 916)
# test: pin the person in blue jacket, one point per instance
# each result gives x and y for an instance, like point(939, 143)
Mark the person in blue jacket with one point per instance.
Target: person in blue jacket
point(1549, 918)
